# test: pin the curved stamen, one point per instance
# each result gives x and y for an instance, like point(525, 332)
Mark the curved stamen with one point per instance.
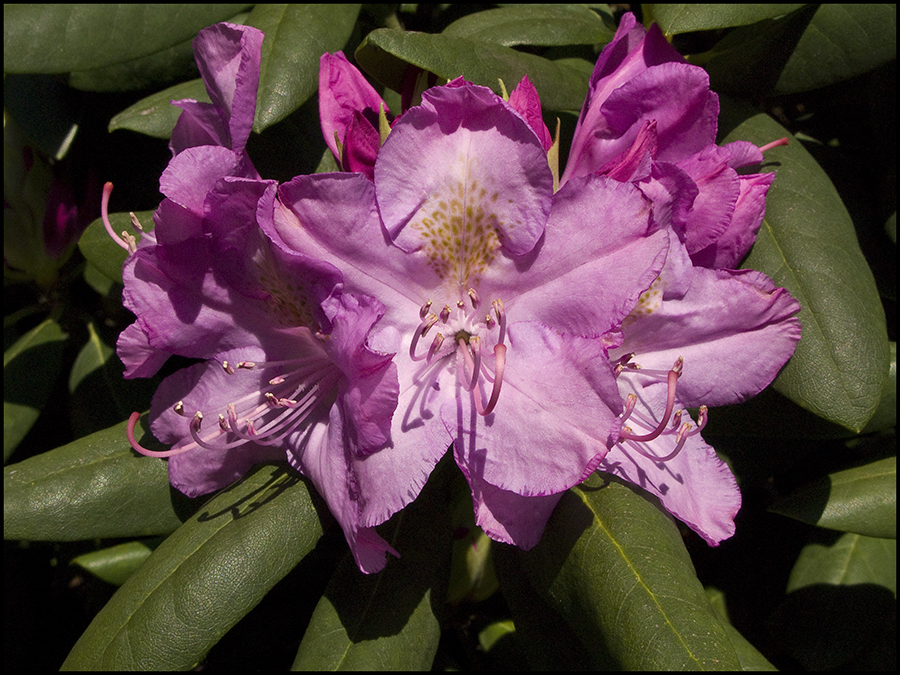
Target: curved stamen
point(672, 381)
point(499, 365)
point(473, 296)
point(128, 242)
point(420, 332)
point(129, 434)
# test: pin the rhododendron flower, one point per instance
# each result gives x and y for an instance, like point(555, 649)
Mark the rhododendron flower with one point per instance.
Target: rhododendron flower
point(505, 296)
point(292, 368)
point(650, 118)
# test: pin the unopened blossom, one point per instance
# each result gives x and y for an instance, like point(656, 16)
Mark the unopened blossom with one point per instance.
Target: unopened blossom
point(650, 118)
point(291, 367)
point(505, 296)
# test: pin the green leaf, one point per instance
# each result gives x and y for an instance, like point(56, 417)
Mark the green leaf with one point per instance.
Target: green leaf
point(675, 19)
point(204, 578)
point(861, 500)
point(30, 369)
point(102, 252)
point(613, 565)
point(296, 38)
point(155, 115)
point(92, 356)
point(385, 54)
point(93, 487)
point(816, 46)
point(544, 25)
point(843, 41)
point(841, 605)
point(60, 38)
point(885, 416)
point(115, 564)
point(808, 245)
point(387, 621)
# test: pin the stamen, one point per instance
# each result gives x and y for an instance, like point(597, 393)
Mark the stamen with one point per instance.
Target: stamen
point(670, 405)
point(423, 311)
point(501, 319)
point(475, 343)
point(129, 434)
point(179, 408)
point(126, 241)
point(435, 346)
point(473, 296)
point(499, 365)
point(774, 144)
point(227, 368)
point(445, 313)
point(420, 332)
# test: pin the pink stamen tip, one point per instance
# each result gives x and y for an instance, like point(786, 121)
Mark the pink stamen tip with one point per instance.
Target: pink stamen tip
point(445, 313)
point(104, 215)
point(227, 368)
point(135, 223)
point(630, 402)
point(423, 328)
point(703, 418)
point(670, 406)
point(129, 434)
point(774, 144)
point(423, 311)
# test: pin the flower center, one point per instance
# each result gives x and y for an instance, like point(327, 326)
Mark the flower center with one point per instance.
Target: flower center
point(468, 329)
point(641, 429)
point(266, 415)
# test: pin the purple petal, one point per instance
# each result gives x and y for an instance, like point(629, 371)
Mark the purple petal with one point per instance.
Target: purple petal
point(206, 387)
point(695, 486)
point(477, 165)
point(598, 255)
point(734, 329)
point(229, 59)
point(735, 242)
point(134, 350)
point(509, 517)
point(556, 415)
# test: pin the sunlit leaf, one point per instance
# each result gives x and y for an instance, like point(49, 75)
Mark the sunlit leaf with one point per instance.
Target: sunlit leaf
point(60, 38)
point(861, 500)
point(839, 593)
point(385, 54)
point(30, 370)
point(674, 19)
point(613, 565)
point(116, 563)
point(102, 252)
point(204, 578)
point(534, 25)
point(808, 245)
point(93, 487)
point(296, 38)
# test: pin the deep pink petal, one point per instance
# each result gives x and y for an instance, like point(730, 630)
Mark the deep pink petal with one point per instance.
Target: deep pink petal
point(343, 92)
point(524, 100)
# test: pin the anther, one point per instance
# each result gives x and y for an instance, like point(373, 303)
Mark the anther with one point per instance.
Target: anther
point(423, 311)
point(445, 313)
point(501, 318)
point(271, 400)
point(179, 408)
point(227, 368)
point(278, 379)
point(247, 365)
point(473, 296)
point(435, 346)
